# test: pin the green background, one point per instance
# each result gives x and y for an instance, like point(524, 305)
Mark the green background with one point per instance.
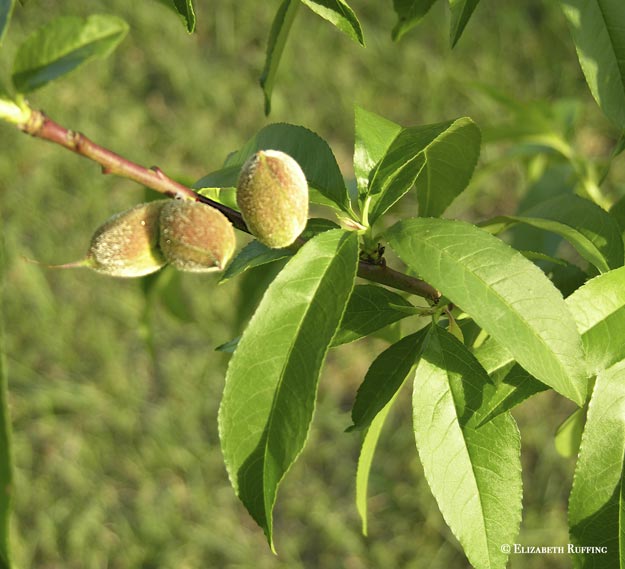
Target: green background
point(117, 459)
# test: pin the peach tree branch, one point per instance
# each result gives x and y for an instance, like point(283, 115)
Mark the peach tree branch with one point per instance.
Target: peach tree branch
point(41, 126)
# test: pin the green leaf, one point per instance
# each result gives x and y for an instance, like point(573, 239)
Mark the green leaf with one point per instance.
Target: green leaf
point(617, 211)
point(596, 503)
point(254, 254)
point(223, 178)
point(591, 230)
point(6, 7)
point(599, 311)
point(511, 384)
point(461, 11)
point(409, 14)
point(278, 35)
point(506, 295)
point(6, 474)
point(62, 45)
point(311, 152)
point(494, 358)
point(474, 473)
point(338, 13)
point(439, 159)
point(515, 387)
point(271, 384)
point(229, 347)
point(365, 460)
point(223, 195)
point(184, 8)
point(598, 29)
point(13, 110)
point(252, 285)
point(569, 434)
point(168, 289)
point(370, 308)
point(374, 134)
point(385, 377)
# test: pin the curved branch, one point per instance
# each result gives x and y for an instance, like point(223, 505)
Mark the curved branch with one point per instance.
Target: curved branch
point(41, 126)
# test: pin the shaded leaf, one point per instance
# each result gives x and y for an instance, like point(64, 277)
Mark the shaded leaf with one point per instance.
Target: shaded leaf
point(409, 14)
point(365, 460)
point(62, 45)
point(271, 383)
point(598, 29)
point(384, 378)
point(229, 347)
point(596, 504)
point(370, 308)
point(278, 35)
point(592, 231)
point(461, 11)
point(506, 295)
point(338, 13)
point(253, 255)
point(6, 469)
point(310, 151)
point(186, 11)
point(374, 134)
point(6, 7)
point(252, 285)
point(474, 473)
point(514, 388)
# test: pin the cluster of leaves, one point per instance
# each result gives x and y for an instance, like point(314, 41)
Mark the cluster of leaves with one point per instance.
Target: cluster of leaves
point(502, 332)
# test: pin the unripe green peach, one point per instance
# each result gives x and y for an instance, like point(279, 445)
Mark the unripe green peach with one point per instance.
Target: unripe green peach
point(126, 245)
point(272, 195)
point(195, 237)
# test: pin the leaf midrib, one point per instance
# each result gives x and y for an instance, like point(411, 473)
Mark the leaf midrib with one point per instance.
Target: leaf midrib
point(500, 298)
point(272, 412)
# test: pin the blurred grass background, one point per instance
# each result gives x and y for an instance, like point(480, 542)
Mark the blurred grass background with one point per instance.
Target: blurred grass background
point(117, 453)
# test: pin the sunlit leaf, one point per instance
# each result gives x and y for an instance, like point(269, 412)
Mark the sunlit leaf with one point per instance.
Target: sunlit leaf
point(338, 13)
point(569, 434)
point(598, 29)
point(62, 45)
point(474, 473)
point(271, 384)
point(506, 295)
point(599, 311)
point(438, 159)
point(596, 504)
point(374, 134)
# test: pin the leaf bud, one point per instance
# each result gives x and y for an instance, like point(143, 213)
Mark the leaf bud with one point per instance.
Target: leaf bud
point(272, 195)
point(195, 237)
